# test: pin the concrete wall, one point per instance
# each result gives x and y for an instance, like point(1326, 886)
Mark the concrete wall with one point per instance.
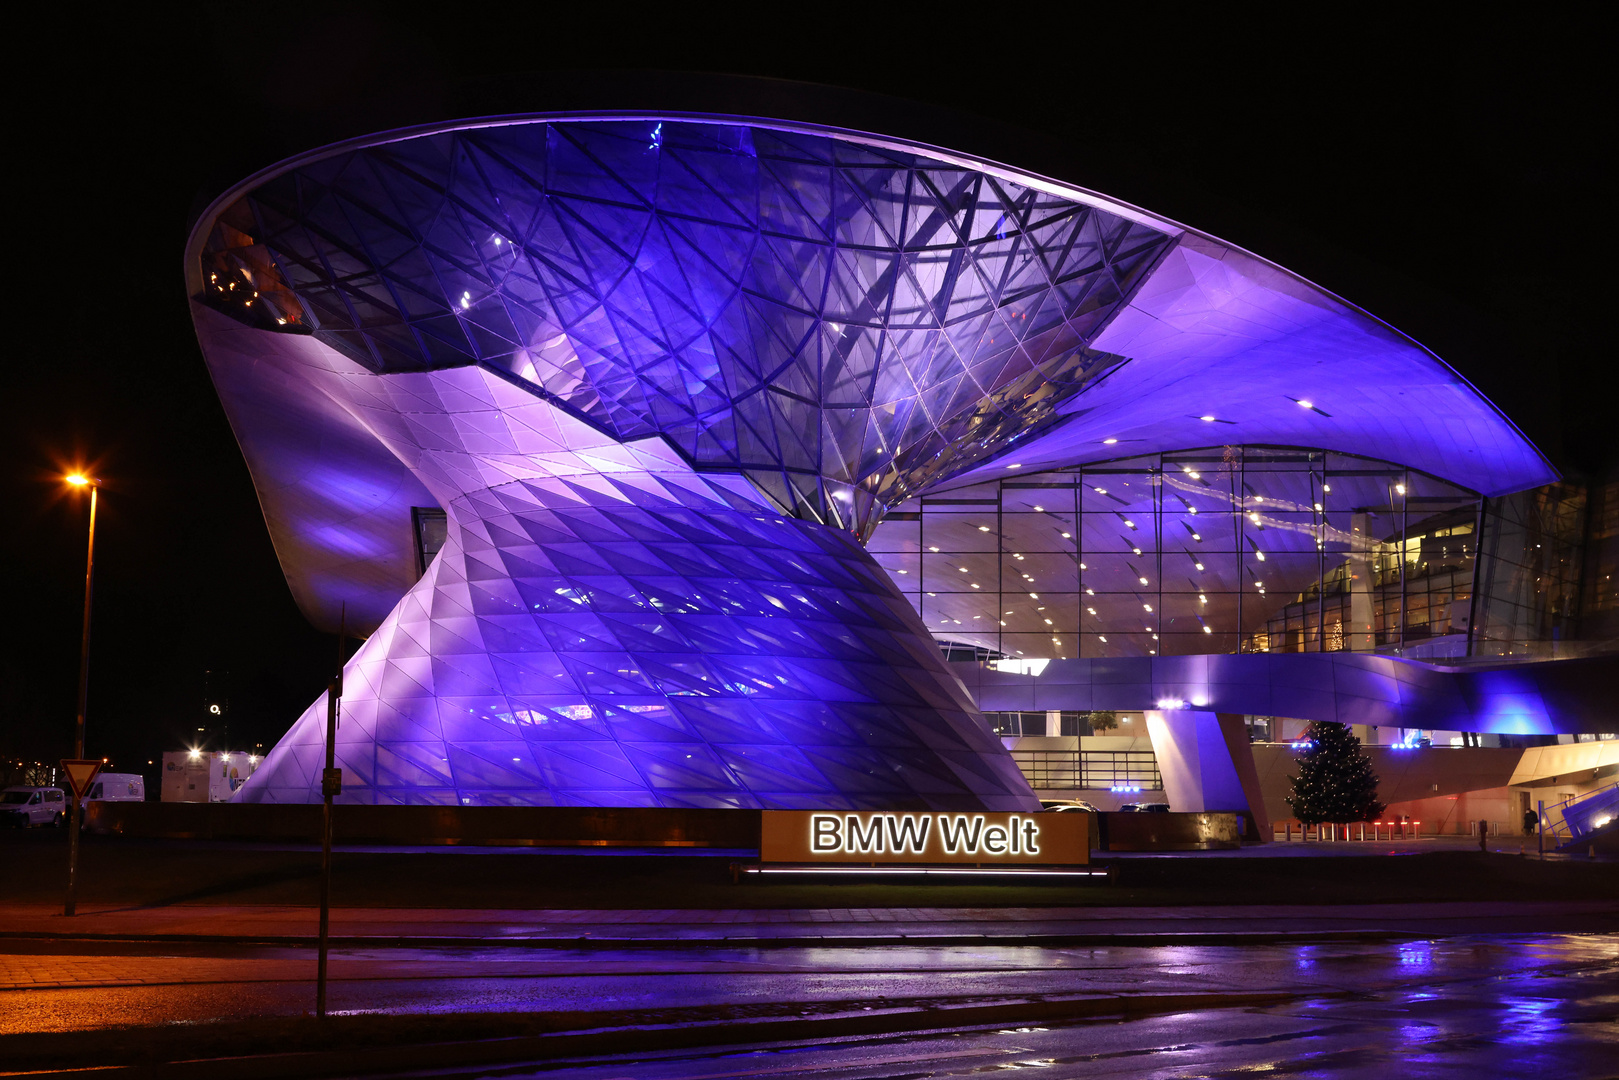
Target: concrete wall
point(1406, 778)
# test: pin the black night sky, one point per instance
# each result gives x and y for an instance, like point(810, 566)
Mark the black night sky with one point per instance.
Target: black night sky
point(1443, 176)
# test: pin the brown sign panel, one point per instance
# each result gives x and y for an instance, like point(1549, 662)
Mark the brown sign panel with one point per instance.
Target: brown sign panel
point(925, 837)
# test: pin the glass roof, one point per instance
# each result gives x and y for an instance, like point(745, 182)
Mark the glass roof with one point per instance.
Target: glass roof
point(841, 323)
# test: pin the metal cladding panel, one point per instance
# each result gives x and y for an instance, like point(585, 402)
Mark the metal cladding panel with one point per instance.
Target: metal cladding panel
point(1550, 697)
point(1222, 342)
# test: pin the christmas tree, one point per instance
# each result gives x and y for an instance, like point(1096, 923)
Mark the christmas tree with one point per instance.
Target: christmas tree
point(1335, 784)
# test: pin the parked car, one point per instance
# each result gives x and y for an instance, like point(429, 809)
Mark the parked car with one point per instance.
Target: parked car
point(1077, 804)
point(1144, 808)
point(21, 807)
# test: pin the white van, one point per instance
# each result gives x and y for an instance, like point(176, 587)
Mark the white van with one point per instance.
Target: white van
point(21, 807)
point(117, 787)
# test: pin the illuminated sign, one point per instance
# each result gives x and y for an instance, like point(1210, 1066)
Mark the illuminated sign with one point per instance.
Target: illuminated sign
point(924, 837)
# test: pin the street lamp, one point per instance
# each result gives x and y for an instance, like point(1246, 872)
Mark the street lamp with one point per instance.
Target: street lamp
point(80, 480)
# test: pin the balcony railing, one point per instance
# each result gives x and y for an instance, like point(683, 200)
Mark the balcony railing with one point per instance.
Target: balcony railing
point(1072, 770)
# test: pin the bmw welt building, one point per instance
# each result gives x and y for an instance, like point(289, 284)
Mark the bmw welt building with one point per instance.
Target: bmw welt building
point(693, 460)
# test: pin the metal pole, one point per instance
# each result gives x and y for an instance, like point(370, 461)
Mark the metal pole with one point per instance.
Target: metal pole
point(70, 906)
point(1540, 826)
point(330, 785)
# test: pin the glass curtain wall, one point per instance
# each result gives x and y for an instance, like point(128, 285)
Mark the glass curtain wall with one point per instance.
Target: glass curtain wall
point(1529, 592)
point(1202, 551)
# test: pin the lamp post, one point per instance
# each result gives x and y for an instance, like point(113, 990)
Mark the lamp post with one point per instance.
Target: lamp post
point(79, 480)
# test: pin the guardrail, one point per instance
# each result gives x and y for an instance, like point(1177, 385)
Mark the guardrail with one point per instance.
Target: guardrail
point(1072, 770)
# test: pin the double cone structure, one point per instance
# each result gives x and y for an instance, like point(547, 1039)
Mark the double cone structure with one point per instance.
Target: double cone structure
point(662, 378)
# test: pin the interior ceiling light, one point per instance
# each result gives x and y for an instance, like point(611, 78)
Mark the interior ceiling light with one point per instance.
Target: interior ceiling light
point(1206, 630)
point(983, 528)
point(1305, 404)
point(1207, 419)
point(1109, 442)
point(933, 549)
point(1066, 536)
point(1040, 509)
point(1017, 466)
point(1143, 581)
point(1399, 489)
point(1198, 565)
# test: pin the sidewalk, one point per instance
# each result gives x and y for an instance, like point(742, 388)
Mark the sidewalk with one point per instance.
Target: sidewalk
point(576, 927)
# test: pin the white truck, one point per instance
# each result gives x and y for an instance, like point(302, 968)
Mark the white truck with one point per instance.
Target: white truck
point(117, 787)
point(205, 776)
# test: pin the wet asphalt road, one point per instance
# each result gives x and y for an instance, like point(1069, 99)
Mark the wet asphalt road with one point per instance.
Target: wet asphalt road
point(1560, 1027)
point(1476, 1006)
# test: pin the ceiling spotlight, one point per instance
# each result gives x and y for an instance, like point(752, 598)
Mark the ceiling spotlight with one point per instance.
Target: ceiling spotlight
point(1014, 466)
point(1109, 442)
point(1143, 581)
point(1196, 537)
point(1067, 536)
point(1147, 606)
point(1198, 565)
point(1206, 630)
point(933, 549)
point(1202, 599)
point(1207, 419)
point(983, 528)
point(1399, 489)
point(1306, 404)
point(963, 569)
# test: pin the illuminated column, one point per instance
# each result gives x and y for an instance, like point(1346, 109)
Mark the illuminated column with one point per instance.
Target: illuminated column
point(1206, 763)
point(1359, 635)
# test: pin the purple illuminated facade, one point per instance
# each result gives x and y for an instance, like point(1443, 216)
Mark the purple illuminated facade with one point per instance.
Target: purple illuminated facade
point(664, 377)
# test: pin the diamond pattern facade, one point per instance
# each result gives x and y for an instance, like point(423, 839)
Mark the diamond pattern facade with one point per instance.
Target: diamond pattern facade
point(604, 626)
